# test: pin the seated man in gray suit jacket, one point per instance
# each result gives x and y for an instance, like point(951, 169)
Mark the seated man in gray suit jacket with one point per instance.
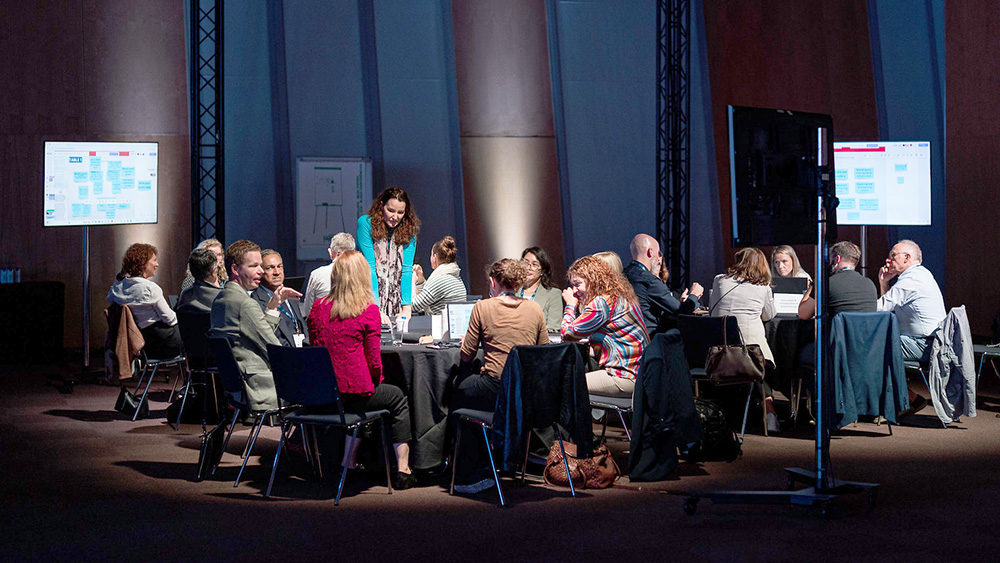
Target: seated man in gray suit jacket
point(238, 317)
point(291, 329)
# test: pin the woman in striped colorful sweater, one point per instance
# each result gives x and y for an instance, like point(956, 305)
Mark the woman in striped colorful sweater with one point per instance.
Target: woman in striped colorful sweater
point(445, 284)
point(612, 321)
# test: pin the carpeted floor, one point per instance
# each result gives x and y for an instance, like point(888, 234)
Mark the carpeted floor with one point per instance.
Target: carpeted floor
point(80, 484)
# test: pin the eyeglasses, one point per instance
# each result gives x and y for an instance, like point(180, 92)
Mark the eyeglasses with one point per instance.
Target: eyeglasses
point(895, 254)
point(532, 265)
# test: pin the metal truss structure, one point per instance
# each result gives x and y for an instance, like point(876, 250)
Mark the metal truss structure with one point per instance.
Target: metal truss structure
point(673, 156)
point(206, 83)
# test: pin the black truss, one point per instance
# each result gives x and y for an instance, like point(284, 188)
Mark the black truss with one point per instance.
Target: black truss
point(673, 157)
point(207, 162)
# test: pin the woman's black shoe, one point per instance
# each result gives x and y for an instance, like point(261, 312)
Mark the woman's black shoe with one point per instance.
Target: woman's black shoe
point(404, 481)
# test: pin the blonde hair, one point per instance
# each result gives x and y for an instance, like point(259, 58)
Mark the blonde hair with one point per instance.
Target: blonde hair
point(610, 258)
point(787, 251)
point(350, 286)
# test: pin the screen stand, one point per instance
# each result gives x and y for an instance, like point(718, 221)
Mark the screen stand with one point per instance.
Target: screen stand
point(824, 487)
point(86, 375)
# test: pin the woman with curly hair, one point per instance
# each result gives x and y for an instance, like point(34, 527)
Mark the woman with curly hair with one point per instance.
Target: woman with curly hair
point(499, 323)
point(744, 292)
point(612, 321)
point(387, 236)
point(151, 312)
point(539, 288)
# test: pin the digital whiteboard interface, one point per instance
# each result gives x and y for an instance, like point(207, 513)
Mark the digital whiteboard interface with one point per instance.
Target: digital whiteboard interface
point(99, 183)
point(884, 183)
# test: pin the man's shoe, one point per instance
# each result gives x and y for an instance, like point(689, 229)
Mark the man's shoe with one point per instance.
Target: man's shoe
point(476, 487)
point(915, 406)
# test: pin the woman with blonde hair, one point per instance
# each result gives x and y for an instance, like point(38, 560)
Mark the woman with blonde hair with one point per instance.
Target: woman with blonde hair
point(219, 277)
point(744, 292)
point(348, 323)
point(610, 258)
point(785, 263)
point(498, 323)
point(611, 319)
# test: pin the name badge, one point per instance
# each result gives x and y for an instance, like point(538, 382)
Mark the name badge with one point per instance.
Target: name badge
point(299, 339)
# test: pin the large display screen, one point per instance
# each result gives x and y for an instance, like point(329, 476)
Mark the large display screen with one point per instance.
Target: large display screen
point(884, 183)
point(99, 183)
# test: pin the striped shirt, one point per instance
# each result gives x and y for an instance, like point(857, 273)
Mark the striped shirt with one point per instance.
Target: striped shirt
point(616, 327)
point(443, 286)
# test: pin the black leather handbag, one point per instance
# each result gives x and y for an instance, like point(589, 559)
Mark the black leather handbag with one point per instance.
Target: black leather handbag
point(734, 364)
point(127, 404)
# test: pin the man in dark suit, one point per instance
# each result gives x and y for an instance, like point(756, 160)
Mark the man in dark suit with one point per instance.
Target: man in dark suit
point(657, 303)
point(291, 330)
point(199, 297)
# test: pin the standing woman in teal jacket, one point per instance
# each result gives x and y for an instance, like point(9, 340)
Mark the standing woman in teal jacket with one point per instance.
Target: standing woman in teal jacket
point(387, 236)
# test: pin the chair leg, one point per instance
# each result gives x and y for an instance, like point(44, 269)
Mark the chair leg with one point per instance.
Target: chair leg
point(144, 393)
point(604, 425)
point(493, 465)
point(524, 464)
point(569, 476)
point(187, 390)
point(796, 404)
point(258, 420)
point(343, 469)
point(259, 423)
point(229, 435)
point(454, 455)
point(746, 410)
point(277, 456)
point(763, 407)
point(385, 454)
point(621, 416)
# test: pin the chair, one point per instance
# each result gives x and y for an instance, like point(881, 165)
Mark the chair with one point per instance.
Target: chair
point(868, 373)
point(540, 386)
point(235, 389)
point(701, 332)
point(990, 352)
point(305, 377)
point(619, 405)
point(194, 327)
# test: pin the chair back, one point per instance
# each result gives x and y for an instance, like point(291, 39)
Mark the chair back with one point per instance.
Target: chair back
point(194, 327)
point(229, 370)
point(304, 376)
point(867, 361)
point(700, 332)
point(539, 386)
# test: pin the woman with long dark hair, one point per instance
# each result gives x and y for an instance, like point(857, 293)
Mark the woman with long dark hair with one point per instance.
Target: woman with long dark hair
point(539, 288)
point(387, 236)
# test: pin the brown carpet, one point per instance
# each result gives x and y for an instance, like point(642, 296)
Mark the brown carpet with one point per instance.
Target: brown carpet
point(80, 484)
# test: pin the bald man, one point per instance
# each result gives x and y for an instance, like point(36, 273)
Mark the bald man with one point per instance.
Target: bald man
point(915, 298)
point(658, 305)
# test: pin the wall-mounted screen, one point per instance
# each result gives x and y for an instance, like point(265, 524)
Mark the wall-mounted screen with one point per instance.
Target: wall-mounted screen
point(99, 183)
point(884, 183)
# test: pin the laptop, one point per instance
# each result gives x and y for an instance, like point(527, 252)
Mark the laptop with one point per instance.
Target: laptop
point(457, 318)
point(788, 293)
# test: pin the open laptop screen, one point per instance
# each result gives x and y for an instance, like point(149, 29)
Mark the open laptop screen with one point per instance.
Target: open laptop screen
point(458, 318)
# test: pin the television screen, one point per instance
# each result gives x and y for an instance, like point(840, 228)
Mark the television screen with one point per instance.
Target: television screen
point(884, 183)
point(99, 183)
point(778, 162)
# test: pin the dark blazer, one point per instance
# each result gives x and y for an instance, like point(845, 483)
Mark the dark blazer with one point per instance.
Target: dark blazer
point(286, 326)
point(657, 303)
point(197, 298)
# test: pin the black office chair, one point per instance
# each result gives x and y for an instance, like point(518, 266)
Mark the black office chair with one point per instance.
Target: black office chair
point(194, 327)
point(540, 387)
point(701, 332)
point(236, 396)
point(305, 377)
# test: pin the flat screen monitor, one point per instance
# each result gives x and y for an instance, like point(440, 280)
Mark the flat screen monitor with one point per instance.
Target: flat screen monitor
point(458, 318)
point(883, 183)
point(779, 160)
point(99, 183)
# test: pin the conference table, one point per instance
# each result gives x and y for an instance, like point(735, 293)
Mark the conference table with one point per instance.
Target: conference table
point(425, 375)
point(787, 336)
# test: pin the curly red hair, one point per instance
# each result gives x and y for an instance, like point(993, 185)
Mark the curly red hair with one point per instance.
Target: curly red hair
point(407, 228)
point(135, 260)
point(601, 279)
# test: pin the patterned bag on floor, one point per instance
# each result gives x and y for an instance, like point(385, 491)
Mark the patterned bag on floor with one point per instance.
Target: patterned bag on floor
point(597, 472)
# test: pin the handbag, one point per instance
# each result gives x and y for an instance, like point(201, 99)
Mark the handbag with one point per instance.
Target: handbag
point(211, 451)
point(127, 404)
point(597, 472)
point(734, 364)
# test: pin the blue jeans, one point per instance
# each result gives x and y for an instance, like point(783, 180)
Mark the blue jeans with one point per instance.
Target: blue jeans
point(916, 348)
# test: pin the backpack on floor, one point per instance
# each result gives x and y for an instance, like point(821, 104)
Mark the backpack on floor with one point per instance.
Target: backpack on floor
point(720, 442)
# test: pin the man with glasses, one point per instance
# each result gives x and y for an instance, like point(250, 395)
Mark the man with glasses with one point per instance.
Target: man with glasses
point(658, 305)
